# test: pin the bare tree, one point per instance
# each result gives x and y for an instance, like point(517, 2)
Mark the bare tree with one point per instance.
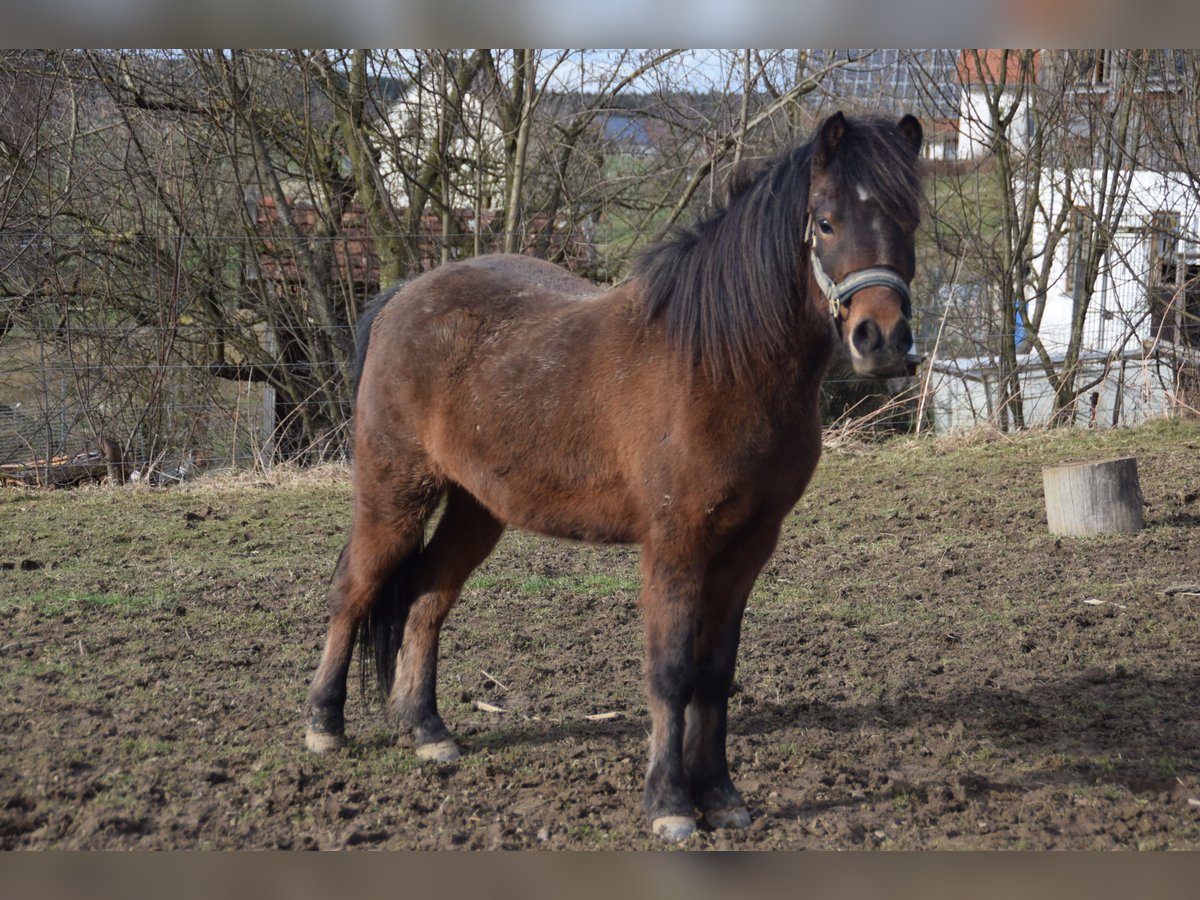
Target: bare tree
point(182, 231)
point(1067, 153)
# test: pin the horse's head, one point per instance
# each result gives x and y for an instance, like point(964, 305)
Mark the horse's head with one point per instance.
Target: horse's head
point(863, 210)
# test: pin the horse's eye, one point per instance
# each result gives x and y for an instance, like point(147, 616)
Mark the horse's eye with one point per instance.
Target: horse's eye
point(825, 227)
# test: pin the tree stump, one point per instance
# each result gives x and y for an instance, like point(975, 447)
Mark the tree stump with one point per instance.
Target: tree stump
point(1088, 498)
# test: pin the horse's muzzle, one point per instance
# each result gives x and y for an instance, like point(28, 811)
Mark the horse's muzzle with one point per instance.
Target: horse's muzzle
point(879, 353)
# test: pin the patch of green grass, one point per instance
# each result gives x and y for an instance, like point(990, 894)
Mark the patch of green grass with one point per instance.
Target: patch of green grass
point(146, 747)
point(590, 585)
point(482, 582)
point(982, 753)
point(39, 667)
point(57, 603)
point(905, 801)
point(1171, 766)
point(1154, 843)
point(595, 836)
point(539, 585)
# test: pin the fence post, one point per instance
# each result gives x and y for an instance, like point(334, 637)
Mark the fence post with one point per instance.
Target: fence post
point(267, 455)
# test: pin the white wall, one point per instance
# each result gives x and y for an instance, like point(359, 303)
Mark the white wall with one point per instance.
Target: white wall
point(1137, 389)
point(976, 127)
point(412, 129)
point(1118, 318)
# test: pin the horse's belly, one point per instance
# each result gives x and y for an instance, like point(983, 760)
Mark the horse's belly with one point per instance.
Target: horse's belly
point(583, 514)
point(537, 455)
point(569, 524)
point(536, 500)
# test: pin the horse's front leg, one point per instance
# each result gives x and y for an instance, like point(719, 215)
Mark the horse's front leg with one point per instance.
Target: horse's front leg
point(718, 801)
point(670, 600)
point(727, 585)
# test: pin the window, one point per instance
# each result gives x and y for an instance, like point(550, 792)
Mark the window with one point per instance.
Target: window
point(1163, 275)
point(1190, 318)
point(1164, 248)
point(1159, 67)
point(1090, 67)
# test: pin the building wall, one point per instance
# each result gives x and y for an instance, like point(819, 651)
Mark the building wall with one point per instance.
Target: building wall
point(1130, 391)
point(1118, 316)
point(976, 128)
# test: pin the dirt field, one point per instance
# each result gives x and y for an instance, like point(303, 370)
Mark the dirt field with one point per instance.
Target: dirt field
point(923, 666)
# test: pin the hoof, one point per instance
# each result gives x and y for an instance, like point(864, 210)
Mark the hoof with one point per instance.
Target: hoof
point(439, 751)
point(323, 743)
point(731, 817)
point(674, 828)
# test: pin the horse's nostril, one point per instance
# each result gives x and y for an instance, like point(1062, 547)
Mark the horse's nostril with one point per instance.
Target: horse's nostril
point(867, 338)
point(902, 336)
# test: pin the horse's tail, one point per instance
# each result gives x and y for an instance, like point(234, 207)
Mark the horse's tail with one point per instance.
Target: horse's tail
point(381, 632)
point(363, 335)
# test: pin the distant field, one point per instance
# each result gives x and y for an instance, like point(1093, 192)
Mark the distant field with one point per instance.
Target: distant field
point(923, 666)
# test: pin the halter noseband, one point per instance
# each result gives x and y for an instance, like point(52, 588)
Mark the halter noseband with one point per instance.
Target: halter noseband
point(839, 292)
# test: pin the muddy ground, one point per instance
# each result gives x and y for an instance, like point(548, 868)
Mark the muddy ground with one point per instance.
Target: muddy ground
point(923, 666)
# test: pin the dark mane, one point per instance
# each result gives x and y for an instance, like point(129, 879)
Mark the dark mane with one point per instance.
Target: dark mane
point(729, 289)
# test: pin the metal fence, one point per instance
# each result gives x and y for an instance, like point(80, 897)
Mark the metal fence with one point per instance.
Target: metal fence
point(171, 414)
point(162, 415)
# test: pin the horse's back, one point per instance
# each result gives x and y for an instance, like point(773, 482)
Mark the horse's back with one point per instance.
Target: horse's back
point(538, 275)
point(504, 374)
point(487, 295)
point(487, 306)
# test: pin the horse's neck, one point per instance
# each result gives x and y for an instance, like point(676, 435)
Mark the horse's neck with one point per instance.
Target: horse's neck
point(778, 390)
point(804, 356)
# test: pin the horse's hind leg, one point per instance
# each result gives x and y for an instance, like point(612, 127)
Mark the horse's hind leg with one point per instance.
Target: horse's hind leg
point(464, 537)
point(381, 542)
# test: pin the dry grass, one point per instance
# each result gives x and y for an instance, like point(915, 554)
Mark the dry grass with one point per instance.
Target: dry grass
point(282, 475)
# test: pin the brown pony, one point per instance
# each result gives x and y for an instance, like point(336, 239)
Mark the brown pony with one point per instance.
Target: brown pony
point(677, 410)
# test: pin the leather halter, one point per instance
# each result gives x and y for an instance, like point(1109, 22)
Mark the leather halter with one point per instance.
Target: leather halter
point(840, 292)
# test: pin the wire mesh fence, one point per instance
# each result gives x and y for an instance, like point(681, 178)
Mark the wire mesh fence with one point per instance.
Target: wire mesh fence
point(60, 402)
point(47, 416)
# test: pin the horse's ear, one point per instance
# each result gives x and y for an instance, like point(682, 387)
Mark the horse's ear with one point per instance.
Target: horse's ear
point(829, 135)
point(910, 129)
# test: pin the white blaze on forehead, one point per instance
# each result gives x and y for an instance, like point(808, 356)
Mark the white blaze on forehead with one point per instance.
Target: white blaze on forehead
point(877, 220)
